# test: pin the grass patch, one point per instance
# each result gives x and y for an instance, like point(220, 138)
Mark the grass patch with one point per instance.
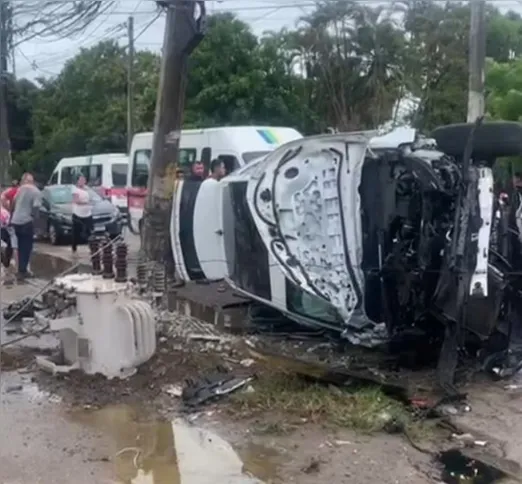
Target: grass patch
point(366, 409)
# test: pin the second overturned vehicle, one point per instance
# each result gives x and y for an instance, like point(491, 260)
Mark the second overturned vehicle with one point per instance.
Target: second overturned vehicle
point(375, 242)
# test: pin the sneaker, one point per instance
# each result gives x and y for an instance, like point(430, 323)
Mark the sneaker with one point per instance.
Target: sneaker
point(21, 277)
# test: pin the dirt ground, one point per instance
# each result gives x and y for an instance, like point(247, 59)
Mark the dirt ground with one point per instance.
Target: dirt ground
point(79, 429)
point(57, 427)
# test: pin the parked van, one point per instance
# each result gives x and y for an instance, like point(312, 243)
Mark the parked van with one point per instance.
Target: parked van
point(107, 173)
point(234, 145)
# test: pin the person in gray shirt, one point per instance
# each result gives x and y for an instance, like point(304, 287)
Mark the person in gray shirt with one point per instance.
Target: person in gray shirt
point(26, 204)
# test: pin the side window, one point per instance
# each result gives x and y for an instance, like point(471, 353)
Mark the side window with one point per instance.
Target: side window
point(230, 161)
point(68, 175)
point(140, 168)
point(187, 156)
point(92, 174)
point(119, 174)
point(54, 178)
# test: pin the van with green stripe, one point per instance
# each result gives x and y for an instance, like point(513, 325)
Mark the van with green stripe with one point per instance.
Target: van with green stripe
point(236, 146)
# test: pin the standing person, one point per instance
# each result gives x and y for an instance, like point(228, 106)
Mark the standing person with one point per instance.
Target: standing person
point(7, 252)
point(82, 213)
point(9, 194)
point(197, 171)
point(26, 203)
point(7, 200)
point(217, 169)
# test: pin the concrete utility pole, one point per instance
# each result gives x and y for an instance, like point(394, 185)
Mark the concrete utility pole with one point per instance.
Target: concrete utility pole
point(130, 84)
point(183, 32)
point(5, 145)
point(477, 60)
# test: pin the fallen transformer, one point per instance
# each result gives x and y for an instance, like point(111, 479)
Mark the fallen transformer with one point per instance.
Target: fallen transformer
point(374, 243)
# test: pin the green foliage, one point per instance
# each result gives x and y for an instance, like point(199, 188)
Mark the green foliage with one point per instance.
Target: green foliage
point(346, 66)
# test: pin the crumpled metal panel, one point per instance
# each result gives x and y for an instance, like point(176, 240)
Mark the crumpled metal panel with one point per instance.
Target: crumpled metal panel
point(304, 199)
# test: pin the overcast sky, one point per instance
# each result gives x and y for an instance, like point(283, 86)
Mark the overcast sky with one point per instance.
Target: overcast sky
point(45, 57)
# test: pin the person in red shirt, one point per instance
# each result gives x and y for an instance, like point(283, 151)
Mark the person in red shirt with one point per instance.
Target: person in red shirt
point(7, 201)
point(9, 194)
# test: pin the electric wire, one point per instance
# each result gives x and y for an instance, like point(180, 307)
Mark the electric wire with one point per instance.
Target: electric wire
point(149, 24)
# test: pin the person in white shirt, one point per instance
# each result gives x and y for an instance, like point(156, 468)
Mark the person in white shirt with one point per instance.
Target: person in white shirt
point(81, 213)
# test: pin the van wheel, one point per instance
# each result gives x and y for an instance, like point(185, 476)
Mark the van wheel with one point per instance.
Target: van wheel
point(54, 238)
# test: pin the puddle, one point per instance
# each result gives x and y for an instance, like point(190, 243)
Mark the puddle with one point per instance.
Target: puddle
point(161, 452)
point(47, 266)
point(459, 469)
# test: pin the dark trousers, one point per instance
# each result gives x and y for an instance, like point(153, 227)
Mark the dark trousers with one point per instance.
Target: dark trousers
point(7, 254)
point(25, 235)
point(81, 230)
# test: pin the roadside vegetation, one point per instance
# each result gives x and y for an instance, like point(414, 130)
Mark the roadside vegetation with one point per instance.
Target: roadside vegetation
point(288, 400)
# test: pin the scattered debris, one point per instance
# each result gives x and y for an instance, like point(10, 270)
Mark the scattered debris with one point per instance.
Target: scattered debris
point(469, 440)
point(173, 390)
point(205, 337)
point(313, 467)
point(214, 386)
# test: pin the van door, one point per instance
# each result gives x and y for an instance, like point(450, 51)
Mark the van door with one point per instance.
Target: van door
point(305, 202)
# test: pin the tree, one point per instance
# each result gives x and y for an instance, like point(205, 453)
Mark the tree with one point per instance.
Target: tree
point(437, 61)
point(236, 79)
point(83, 109)
point(21, 96)
point(351, 56)
point(504, 35)
point(345, 66)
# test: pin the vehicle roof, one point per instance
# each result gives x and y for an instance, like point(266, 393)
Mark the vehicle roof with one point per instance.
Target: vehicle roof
point(228, 130)
point(99, 158)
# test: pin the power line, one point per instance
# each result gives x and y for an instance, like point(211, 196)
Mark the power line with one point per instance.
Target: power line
point(142, 31)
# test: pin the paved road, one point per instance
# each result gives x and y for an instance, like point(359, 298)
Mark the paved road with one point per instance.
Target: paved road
point(64, 252)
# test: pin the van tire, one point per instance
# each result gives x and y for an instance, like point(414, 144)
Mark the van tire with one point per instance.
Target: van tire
point(492, 139)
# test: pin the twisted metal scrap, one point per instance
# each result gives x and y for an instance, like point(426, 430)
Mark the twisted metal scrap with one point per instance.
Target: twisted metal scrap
point(55, 18)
